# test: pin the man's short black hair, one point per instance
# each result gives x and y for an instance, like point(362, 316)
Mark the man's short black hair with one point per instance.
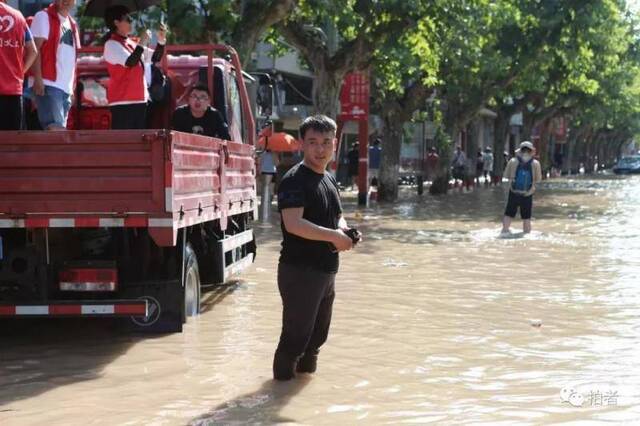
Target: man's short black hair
point(200, 87)
point(319, 123)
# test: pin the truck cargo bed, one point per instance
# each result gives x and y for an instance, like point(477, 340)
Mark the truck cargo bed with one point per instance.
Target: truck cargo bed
point(149, 178)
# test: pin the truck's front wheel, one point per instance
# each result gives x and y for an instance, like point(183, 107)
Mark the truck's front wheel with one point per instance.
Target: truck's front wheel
point(191, 284)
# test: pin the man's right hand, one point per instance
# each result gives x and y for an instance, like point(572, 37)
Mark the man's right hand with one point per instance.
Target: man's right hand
point(38, 87)
point(342, 241)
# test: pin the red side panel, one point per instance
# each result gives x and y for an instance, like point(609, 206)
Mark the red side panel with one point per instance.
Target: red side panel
point(240, 178)
point(195, 164)
point(82, 172)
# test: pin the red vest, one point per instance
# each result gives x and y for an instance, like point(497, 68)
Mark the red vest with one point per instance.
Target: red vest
point(126, 84)
point(12, 30)
point(49, 50)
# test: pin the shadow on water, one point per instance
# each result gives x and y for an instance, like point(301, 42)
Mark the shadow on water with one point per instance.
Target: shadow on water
point(213, 295)
point(40, 355)
point(260, 407)
point(37, 356)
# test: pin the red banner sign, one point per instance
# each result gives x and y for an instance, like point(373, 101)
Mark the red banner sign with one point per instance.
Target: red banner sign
point(354, 98)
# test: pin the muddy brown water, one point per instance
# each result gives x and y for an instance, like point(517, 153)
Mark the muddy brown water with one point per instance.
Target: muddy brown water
point(436, 321)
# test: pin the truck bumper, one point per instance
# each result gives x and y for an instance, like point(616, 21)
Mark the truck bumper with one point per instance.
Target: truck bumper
point(84, 308)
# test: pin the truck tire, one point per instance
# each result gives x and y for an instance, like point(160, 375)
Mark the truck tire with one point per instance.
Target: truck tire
point(191, 285)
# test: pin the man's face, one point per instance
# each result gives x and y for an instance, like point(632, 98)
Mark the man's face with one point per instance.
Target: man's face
point(198, 102)
point(65, 5)
point(318, 148)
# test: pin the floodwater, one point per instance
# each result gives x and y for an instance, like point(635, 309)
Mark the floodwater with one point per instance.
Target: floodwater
point(436, 321)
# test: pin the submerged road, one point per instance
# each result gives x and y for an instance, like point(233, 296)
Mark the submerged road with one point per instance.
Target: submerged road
point(435, 320)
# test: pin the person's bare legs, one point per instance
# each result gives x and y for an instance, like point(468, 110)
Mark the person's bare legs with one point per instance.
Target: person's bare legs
point(506, 224)
point(268, 180)
point(526, 226)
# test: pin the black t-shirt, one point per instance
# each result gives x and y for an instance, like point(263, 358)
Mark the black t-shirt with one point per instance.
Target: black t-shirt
point(210, 124)
point(318, 195)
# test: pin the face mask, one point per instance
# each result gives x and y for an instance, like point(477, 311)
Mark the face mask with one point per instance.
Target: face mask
point(525, 157)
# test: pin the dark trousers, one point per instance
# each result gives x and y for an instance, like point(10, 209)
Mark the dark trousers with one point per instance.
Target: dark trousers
point(307, 301)
point(10, 112)
point(131, 116)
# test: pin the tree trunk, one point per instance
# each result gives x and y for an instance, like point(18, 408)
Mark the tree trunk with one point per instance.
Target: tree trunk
point(440, 184)
point(326, 91)
point(501, 137)
point(472, 147)
point(568, 162)
point(390, 157)
point(543, 148)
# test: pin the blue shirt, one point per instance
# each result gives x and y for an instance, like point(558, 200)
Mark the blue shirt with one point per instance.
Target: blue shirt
point(267, 164)
point(374, 157)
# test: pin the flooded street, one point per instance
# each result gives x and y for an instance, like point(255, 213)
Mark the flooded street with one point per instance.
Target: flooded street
point(435, 320)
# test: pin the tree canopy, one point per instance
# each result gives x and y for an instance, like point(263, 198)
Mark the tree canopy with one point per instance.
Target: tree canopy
point(577, 59)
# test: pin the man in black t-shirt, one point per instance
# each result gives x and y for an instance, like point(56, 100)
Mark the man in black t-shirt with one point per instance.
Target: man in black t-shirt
point(199, 117)
point(313, 231)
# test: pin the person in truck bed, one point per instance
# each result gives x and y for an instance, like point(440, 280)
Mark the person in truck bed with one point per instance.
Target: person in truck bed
point(199, 117)
point(17, 54)
point(129, 65)
point(54, 72)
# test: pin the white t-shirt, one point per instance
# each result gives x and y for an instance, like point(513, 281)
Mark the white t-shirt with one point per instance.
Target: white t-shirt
point(66, 59)
point(116, 54)
point(487, 157)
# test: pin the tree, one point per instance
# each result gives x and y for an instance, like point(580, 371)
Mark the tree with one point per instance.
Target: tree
point(335, 37)
point(584, 67)
point(404, 70)
point(240, 23)
point(492, 49)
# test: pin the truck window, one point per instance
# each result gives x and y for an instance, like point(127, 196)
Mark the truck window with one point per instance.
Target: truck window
point(236, 105)
point(219, 93)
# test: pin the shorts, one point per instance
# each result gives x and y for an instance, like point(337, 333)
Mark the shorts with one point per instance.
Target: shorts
point(523, 202)
point(11, 117)
point(53, 107)
point(459, 172)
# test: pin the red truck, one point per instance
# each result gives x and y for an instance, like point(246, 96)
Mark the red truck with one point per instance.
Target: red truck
point(129, 223)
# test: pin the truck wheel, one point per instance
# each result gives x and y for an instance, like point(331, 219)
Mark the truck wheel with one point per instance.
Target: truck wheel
point(191, 285)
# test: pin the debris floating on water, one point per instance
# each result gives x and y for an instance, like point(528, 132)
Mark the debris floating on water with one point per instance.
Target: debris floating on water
point(536, 323)
point(394, 263)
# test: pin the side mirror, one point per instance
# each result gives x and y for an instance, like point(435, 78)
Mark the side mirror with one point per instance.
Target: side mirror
point(265, 99)
point(265, 95)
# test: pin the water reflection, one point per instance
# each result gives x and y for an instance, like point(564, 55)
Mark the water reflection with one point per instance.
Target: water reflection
point(436, 320)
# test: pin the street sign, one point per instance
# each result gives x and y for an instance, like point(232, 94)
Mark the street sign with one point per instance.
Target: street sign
point(354, 97)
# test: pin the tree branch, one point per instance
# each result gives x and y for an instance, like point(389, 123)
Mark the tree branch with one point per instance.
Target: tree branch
point(313, 49)
point(256, 19)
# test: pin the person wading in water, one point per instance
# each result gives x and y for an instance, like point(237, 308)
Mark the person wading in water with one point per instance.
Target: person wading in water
point(314, 232)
